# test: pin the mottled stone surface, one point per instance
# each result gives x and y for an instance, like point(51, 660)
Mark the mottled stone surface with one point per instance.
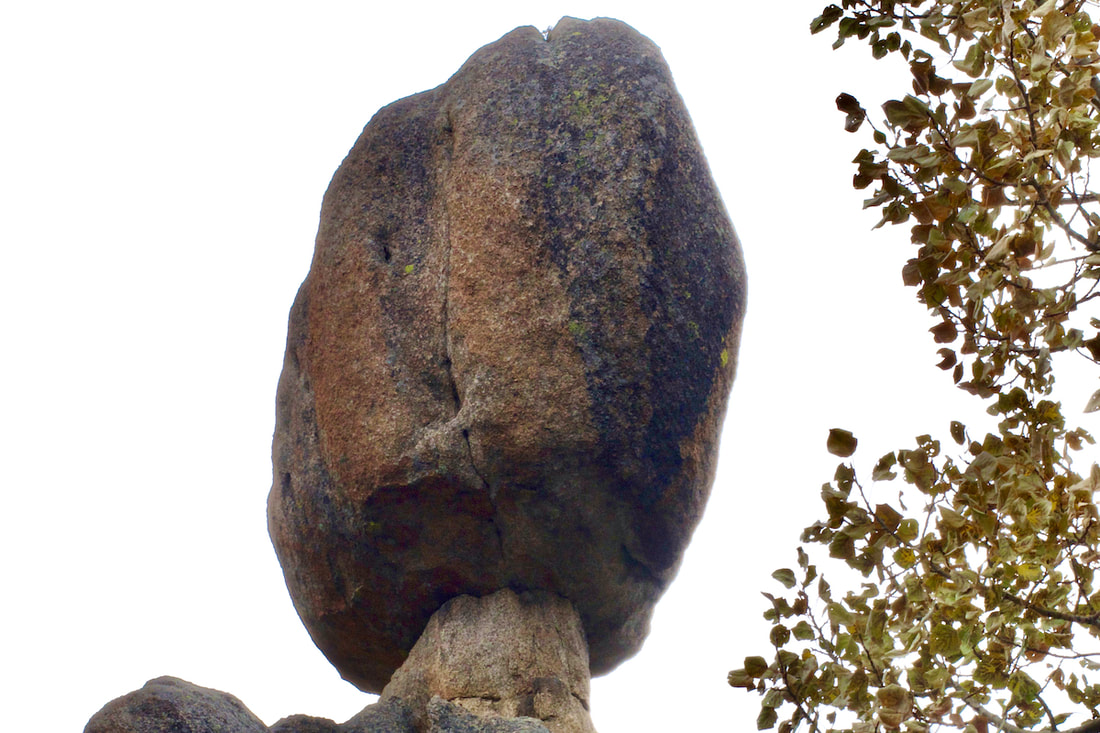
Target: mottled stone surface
point(509, 363)
point(504, 655)
point(171, 705)
point(305, 724)
point(386, 716)
point(448, 717)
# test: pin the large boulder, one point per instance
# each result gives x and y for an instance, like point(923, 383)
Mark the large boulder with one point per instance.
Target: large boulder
point(509, 363)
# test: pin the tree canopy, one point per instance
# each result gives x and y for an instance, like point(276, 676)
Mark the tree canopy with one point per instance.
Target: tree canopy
point(968, 562)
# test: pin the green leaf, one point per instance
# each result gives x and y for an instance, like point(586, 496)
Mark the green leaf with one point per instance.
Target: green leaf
point(839, 615)
point(766, 719)
point(803, 631)
point(1094, 402)
point(785, 576)
point(773, 698)
point(908, 530)
point(883, 470)
point(740, 678)
point(1023, 687)
point(841, 443)
point(756, 666)
point(951, 519)
point(944, 641)
point(887, 516)
point(979, 87)
point(830, 15)
point(910, 114)
point(974, 61)
point(894, 703)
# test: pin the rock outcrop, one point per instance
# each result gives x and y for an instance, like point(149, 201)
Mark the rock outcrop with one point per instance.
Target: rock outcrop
point(509, 364)
point(171, 704)
point(505, 655)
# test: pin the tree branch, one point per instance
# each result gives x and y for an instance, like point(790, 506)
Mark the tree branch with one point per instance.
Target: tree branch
point(1093, 620)
point(1093, 726)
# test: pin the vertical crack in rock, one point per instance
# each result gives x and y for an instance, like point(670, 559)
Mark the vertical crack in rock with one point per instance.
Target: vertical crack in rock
point(448, 362)
point(470, 453)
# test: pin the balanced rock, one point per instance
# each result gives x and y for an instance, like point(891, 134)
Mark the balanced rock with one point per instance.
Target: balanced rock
point(509, 363)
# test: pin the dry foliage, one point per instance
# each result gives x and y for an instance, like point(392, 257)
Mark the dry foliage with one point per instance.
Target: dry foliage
point(979, 608)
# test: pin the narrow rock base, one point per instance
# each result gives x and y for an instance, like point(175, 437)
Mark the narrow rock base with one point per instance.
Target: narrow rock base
point(506, 655)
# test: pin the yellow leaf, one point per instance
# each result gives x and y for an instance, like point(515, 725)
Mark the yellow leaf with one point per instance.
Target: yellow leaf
point(1038, 515)
point(905, 557)
point(1029, 571)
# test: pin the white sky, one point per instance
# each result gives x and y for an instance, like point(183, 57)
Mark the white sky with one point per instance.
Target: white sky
point(161, 172)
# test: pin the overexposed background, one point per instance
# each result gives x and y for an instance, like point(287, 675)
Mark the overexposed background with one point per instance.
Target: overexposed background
point(161, 172)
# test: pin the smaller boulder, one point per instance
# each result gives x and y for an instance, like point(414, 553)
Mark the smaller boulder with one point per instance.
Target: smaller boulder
point(305, 724)
point(384, 716)
point(171, 704)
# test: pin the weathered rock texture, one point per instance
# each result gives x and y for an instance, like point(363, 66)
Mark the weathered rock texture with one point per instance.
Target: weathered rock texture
point(504, 655)
point(168, 704)
point(448, 717)
point(509, 363)
point(171, 705)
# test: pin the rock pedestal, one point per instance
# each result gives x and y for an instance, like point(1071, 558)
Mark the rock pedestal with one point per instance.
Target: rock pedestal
point(505, 655)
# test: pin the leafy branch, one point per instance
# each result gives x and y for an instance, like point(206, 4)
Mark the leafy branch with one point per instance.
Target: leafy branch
point(983, 596)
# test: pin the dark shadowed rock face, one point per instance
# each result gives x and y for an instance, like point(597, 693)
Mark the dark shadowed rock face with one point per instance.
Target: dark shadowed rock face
point(509, 364)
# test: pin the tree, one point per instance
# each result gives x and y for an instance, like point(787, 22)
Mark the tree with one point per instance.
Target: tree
point(974, 601)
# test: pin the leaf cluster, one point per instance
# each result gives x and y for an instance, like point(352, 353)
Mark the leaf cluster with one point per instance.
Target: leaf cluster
point(977, 597)
point(973, 598)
